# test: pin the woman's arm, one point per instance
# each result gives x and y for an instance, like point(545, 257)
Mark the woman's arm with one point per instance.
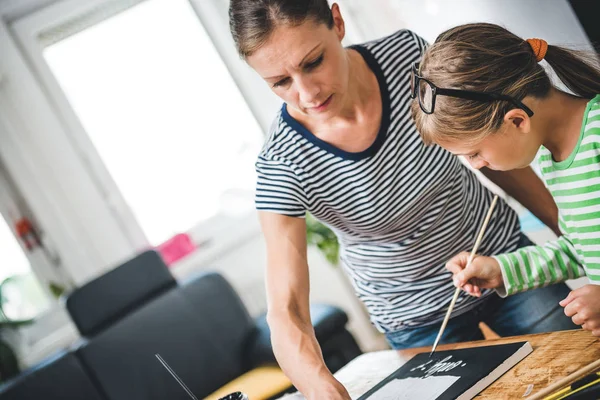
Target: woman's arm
point(292, 334)
point(529, 190)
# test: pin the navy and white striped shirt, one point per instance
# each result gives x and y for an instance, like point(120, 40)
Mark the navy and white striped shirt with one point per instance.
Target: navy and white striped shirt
point(400, 209)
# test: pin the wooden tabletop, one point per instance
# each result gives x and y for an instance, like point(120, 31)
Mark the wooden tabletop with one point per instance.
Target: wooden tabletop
point(555, 356)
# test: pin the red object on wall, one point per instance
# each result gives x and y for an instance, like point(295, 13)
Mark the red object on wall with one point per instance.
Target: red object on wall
point(176, 248)
point(27, 233)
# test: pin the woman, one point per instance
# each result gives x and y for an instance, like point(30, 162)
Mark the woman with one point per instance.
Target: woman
point(344, 147)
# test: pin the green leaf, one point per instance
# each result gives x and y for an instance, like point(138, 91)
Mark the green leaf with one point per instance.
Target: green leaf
point(56, 289)
point(319, 235)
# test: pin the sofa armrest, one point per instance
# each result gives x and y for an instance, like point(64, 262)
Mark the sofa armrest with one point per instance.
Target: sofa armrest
point(327, 320)
point(258, 349)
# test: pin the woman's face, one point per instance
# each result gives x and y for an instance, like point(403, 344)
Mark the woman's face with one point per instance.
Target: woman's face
point(306, 66)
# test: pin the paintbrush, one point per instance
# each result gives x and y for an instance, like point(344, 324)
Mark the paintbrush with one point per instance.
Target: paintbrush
point(177, 378)
point(471, 257)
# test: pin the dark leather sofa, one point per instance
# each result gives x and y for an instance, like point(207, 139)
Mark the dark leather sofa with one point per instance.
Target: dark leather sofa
point(200, 328)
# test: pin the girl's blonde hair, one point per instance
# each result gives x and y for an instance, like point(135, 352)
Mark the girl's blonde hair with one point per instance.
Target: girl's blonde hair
point(488, 58)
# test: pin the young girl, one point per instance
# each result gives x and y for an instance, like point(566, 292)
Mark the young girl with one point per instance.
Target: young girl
point(481, 92)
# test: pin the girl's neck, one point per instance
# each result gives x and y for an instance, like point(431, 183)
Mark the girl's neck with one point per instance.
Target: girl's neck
point(561, 116)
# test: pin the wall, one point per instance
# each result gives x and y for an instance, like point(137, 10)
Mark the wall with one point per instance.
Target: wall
point(552, 20)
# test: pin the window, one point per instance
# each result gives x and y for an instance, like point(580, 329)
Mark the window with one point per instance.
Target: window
point(21, 295)
point(163, 113)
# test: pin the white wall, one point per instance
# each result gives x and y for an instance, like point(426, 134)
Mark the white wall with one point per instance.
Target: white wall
point(552, 20)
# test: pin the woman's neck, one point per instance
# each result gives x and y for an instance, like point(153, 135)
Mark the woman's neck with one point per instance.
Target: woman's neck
point(562, 116)
point(363, 86)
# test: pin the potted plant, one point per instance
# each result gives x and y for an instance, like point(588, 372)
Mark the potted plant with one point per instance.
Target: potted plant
point(321, 236)
point(9, 365)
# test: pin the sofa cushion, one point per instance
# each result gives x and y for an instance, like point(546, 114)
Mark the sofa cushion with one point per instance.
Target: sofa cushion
point(110, 297)
point(217, 303)
point(61, 377)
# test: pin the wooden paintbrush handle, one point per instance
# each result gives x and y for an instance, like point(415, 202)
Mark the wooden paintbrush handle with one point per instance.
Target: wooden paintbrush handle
point(566, 381)
point(471, 256)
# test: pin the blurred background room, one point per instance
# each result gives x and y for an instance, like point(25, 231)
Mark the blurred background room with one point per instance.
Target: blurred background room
point(133, 125)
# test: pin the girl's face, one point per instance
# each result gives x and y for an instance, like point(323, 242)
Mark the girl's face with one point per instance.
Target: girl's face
point(306, 66)
point(514, 146)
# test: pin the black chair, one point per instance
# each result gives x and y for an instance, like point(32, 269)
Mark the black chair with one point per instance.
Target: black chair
point(110, 297)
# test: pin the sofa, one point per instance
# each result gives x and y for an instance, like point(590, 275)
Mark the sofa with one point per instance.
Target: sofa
point(200, 328)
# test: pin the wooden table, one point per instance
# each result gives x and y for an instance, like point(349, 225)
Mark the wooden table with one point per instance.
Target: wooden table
point(555, 355)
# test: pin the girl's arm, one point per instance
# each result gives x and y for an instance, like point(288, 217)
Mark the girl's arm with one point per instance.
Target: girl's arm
point(527, 268)
point(536, 266)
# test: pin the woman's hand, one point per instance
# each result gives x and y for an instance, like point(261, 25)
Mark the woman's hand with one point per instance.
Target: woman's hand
point(483, 272)
point(583, 306)
point(329, 390)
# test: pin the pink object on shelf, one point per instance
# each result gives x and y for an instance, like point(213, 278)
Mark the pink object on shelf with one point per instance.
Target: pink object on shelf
point(176, 248)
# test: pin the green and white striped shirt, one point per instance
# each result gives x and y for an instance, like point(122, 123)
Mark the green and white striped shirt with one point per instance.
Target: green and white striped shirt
point(575, 185)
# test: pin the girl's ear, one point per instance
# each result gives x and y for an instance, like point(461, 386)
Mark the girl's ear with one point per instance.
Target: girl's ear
point(517, 118)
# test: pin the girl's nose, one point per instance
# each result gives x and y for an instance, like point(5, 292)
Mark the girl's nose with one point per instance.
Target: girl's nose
point(478, 163)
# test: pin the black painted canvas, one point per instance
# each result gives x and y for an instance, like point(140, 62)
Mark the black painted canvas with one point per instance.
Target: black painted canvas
point(455, 374)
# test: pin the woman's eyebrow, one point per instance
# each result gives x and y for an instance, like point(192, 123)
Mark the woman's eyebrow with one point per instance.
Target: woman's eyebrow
point(299, 65)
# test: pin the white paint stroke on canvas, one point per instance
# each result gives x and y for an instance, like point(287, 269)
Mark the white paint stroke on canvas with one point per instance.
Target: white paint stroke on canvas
point(444, 365)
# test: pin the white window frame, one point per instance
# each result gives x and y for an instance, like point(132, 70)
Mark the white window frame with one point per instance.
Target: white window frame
point(113, 233)
point(27, 143)
point(51, 328)
point(41, 260)
point(102, 194)
point(42, 143)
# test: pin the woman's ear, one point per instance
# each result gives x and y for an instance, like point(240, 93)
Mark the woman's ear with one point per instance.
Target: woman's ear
point(338, 22)
point(517, 118)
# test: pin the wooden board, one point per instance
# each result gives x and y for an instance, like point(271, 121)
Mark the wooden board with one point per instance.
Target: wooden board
point(555, 355)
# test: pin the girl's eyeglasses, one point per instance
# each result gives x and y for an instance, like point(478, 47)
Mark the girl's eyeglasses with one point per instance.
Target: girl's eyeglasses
point(426, 91)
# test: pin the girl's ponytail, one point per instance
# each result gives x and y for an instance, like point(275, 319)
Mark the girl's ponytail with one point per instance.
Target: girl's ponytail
point(578, 70)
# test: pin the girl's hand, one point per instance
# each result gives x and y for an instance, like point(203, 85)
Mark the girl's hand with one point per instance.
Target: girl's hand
point(583, 306)
point(483, 272)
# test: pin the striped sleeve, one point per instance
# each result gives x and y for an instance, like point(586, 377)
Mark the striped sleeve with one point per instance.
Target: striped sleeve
point(536, 266)
point(278, 188)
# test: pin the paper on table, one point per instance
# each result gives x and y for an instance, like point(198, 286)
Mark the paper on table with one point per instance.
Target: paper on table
point(415, 388)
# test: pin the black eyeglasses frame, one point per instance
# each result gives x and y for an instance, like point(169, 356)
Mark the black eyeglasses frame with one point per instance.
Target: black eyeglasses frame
point(462, 94)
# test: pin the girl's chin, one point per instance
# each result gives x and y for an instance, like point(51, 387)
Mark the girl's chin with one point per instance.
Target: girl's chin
point(508, 168)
